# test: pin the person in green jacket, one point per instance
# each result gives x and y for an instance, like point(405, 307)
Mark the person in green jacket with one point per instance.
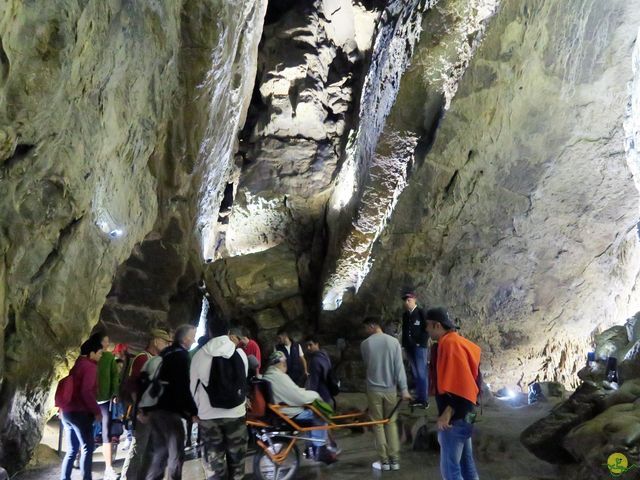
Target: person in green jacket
point(108, 386)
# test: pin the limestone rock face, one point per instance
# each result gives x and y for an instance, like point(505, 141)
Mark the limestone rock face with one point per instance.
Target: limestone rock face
point(521, 218)
point(77, 189)
point(292, 142)
point(92, 146)
point(318, 61)
point(380, 156)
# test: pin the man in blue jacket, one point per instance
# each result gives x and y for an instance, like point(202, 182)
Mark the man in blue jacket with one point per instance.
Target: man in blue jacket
point(319, 366)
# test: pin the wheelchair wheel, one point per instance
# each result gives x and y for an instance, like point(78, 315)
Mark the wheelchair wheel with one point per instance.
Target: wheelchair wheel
point(265, 469)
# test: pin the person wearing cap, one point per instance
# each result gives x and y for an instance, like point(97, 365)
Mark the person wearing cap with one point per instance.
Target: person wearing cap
point(386, 376)
point(456, 390)
point(174, 405)
point(223, 431)
point(414, 342)
point(287, 392)
point(136, 464)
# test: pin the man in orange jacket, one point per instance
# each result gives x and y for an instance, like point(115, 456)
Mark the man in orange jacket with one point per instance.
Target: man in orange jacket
point(457, 368)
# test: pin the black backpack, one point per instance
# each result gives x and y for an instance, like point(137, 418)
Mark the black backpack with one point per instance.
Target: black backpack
point(333, 383)
point(227, 382)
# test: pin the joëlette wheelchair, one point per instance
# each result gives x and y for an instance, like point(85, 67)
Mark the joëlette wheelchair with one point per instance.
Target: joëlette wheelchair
point(276, 435)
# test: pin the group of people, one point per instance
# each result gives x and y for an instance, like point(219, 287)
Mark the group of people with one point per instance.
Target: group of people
point(169, 383)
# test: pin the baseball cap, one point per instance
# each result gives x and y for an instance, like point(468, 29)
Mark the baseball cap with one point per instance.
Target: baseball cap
point(441, 316)
point(121, 347)
point(276, 357)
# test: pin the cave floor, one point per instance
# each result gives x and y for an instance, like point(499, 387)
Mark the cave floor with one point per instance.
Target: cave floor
point(497, 449)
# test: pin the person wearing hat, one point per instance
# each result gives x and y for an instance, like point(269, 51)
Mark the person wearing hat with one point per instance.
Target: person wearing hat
point(174, 405)
point(456, 390)
point(287, 392)
point(138, 457)
point(414, 342)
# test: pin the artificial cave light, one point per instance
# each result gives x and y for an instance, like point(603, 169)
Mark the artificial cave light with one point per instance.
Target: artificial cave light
point(108, 225)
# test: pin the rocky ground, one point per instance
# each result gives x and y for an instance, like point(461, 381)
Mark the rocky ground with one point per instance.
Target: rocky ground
point(601, 418)
point(499, 454)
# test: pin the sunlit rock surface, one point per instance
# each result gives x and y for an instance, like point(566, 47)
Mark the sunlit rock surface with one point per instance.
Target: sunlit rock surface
point(380, 155)
point(522, 217)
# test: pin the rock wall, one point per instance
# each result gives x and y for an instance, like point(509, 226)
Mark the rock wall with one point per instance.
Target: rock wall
point(522, 217)
point(158, 284)
point(318, 62)
point(122, 172)
point(101, 124)
point(380, 154)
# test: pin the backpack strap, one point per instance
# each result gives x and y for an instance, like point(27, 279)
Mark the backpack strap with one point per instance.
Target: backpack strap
point(148, 355)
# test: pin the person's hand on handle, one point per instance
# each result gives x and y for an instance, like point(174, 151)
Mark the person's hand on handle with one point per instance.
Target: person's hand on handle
point(405, 395)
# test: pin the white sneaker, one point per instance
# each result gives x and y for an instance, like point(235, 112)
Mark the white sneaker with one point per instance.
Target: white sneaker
point(394, 466)
point(110, 474)
point(381, 466)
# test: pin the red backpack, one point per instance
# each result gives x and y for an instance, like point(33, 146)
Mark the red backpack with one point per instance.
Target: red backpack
point(64, 392)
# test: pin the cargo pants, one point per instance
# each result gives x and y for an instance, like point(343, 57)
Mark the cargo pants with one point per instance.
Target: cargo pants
point(224, 446)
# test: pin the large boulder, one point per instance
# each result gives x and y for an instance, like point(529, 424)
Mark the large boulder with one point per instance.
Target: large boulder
point(616, 430)
point(612, 343)
point(597, 420)
point(544, 437)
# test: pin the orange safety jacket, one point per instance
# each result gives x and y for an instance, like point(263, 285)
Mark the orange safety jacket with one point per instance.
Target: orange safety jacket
point(457, 364)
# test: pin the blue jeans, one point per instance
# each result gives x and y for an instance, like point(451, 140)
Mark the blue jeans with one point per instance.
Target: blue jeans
point(319, 436)
point(456, 454)
point(418, 360)
point(79, 428)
